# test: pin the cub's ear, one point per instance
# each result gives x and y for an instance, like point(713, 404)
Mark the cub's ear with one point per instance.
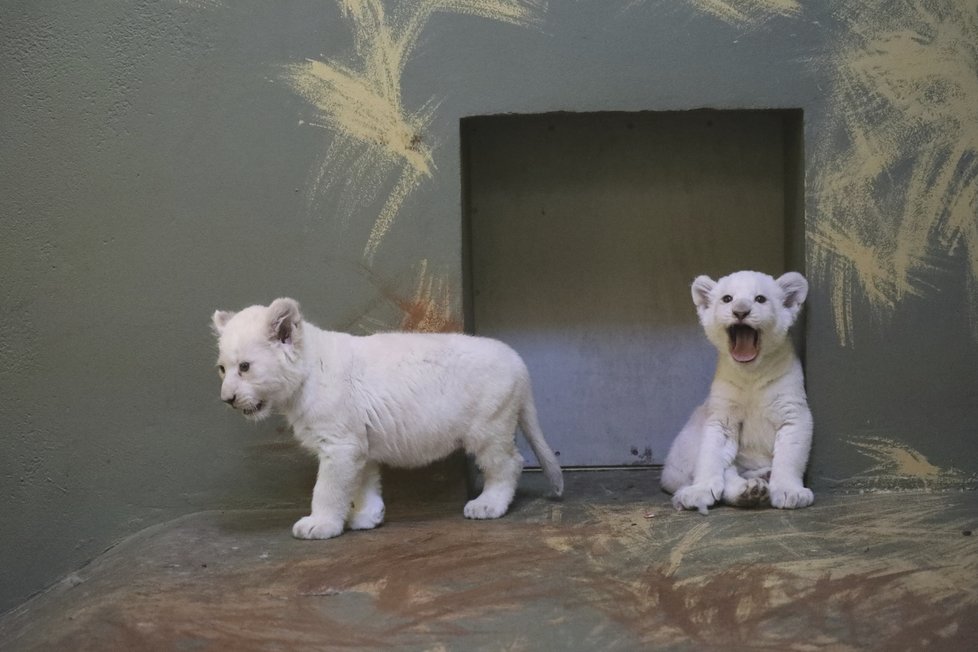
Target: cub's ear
point(701, 289)
point(219, 320)
point(795, 289)
point(284, 319)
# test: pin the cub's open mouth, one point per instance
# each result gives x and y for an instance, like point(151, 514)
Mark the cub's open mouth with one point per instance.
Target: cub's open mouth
point(250, 411)
point(745, 342)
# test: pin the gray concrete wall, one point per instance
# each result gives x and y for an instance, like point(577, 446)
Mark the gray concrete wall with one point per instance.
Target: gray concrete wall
point(162, 159)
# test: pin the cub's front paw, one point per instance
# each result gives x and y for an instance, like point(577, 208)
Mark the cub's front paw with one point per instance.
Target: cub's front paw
point(309, 527)
point(698, 496)
point(482, 508)
point(793, 497)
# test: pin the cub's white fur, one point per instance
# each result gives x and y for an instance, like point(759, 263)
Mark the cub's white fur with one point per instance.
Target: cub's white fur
point(748, 444)
point(400, 399)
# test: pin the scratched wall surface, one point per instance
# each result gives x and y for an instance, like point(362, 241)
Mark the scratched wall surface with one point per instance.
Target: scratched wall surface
point(161, 159)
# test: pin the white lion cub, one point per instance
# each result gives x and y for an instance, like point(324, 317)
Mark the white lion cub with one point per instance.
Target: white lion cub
point(748, 444)
point(401, 399)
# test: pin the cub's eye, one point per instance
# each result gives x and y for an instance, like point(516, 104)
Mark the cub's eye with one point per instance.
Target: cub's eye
point(220, 369)
point(726, 298)
point(244, 366)
point(760, 298)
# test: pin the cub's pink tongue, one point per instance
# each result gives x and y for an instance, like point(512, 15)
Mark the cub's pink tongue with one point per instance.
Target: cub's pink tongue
point(743, 348)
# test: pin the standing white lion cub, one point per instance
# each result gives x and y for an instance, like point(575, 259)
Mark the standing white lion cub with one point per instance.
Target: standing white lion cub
point(748, 444)
point(400, 399)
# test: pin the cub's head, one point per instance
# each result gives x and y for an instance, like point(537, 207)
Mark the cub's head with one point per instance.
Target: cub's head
point(258, 358)
point(748, 313)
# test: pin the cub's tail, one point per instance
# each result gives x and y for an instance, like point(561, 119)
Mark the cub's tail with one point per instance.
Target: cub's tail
point(531, 430)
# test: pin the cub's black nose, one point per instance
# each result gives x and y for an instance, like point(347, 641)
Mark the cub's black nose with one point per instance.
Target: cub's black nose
point(741, 314)
point(230, 401)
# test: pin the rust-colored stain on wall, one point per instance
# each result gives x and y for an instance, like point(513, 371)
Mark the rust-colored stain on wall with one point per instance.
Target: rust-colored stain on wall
point(432, 309)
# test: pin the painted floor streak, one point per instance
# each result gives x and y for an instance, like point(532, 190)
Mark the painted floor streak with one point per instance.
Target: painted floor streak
point(610, 567)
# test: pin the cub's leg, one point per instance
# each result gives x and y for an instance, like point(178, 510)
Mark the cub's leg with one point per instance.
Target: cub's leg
point(339, 470)
point(681, 460)
point(368, 505)
point(744, 492)
point(718, 448)
point(791, 447)
point(501, 466)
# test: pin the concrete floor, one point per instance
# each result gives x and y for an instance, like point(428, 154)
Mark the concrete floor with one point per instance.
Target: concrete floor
point(611, 567)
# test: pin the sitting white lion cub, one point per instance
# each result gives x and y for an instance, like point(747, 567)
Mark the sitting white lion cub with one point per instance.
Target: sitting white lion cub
point(398, 398)
point(748, 444)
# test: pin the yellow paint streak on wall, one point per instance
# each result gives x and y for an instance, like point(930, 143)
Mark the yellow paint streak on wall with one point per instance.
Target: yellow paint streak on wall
point(202, 4)
point(856, 269)
point(897, 193)
point(515, 12)
point(741, 12)
point(375, 137)
point(898, 459)
point(409, 180)
point(899, 464)
point(350, 104)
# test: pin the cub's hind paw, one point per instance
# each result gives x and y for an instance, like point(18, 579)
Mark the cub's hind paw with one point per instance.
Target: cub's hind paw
point(367, 515)
point(754, 494)
point(367, 519)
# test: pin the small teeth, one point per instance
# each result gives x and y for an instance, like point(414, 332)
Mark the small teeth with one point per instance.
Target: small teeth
point(249, 411)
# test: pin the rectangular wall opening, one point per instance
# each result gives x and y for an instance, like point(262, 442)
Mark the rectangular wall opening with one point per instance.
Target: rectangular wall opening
point(582, 234)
